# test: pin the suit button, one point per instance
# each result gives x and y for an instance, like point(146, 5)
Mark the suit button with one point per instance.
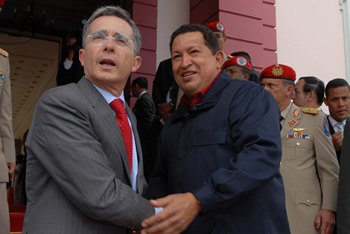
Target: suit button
point(298, 144)
point(308, 202)
point(280, 163)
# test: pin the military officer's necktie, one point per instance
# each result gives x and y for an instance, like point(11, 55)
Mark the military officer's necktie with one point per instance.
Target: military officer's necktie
point(122, 119)
point(281, 118)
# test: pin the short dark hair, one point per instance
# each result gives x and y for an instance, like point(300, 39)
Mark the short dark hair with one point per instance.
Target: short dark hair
point(336, 83)
point(312, 83)
point(287, 82)
point(209, 37)
point(142, 82)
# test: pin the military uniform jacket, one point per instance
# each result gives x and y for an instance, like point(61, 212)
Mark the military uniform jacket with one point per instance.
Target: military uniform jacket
point(7, 144)
point(309, 168)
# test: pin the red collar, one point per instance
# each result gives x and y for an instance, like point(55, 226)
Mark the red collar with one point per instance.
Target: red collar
point(188, 102)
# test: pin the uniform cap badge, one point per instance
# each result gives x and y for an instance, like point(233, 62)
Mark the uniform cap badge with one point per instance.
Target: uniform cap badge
point(277, 70)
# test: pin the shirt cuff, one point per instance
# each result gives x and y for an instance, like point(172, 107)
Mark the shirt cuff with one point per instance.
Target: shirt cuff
point(158, 209)
point(67, 64)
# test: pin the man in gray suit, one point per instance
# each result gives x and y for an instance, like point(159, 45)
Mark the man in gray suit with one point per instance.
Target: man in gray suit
point(81, 175)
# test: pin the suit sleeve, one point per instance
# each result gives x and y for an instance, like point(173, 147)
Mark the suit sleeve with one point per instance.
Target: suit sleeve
point(63, 139)
point(256, 150)
point(327, 165)
point(343, 203)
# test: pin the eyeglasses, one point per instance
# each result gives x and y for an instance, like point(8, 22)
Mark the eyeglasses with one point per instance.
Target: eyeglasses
point(120, 40)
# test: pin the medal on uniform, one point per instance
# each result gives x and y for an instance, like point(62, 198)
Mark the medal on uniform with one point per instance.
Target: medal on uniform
point(298, 134)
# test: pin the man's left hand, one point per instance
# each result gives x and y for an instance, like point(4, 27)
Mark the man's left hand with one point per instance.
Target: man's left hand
point(11, 166)
point(179, 210)
point(325, 220)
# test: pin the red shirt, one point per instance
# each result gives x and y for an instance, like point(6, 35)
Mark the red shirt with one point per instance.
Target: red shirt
point(186, 101)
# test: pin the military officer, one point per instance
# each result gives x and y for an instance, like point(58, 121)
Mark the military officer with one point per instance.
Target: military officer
point(7, 143)
point(309, 164)
point(219, 30)
point(237, 67)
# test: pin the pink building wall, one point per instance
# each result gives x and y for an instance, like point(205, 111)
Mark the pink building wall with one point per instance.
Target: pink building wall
point(144, 14)
point(250, 26)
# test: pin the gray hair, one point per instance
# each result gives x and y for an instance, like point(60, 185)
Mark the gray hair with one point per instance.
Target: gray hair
point(120, 13)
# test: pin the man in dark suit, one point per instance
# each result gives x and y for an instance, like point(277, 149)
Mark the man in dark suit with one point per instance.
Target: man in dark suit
point(218, 165)
point(84, 159)
point(338, 101)
point(343, 204)
point(144, 110)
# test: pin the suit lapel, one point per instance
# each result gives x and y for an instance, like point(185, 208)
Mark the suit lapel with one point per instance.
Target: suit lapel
point(100, 106)
point(292, 121)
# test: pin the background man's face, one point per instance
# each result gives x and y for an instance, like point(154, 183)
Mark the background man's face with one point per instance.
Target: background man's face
point(338, 102)
point(276, 88)
point(221, 39)
point(235, 72)
point(299, 97)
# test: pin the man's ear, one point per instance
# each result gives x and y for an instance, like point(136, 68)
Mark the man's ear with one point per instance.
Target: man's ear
point(290, 90)
point(311, 95)
point(325, 101)
point(137, 63)
point(219, 56)
point(81, 56)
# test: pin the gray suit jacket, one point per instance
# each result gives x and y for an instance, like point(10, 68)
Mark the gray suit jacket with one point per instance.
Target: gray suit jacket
point(343, 204)
point(78, 178)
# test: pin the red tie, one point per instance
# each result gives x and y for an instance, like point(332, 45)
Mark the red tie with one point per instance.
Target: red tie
point(122, 119)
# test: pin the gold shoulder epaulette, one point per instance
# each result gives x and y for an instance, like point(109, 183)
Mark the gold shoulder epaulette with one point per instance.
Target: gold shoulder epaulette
point(311, 111)
point(4, 53)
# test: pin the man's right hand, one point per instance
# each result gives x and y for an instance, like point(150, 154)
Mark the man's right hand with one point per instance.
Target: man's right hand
point(337, 139)
point(165, 109)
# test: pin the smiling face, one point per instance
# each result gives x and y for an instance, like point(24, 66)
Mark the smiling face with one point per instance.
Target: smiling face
point(194, 65)
point(108, 66)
